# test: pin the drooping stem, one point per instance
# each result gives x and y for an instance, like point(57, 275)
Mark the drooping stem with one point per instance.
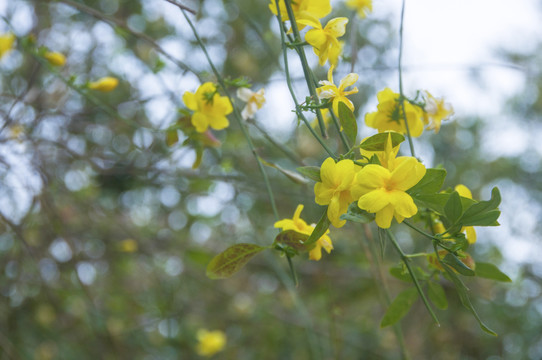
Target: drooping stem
point(306, 69)
point(291, 89)
point(400, 68)
point(381, 283)
point(406, 261)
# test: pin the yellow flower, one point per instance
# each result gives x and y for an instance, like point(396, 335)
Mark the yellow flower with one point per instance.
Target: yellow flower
point(254, 100)
point(105, 84)
point(55, 58)
point(389, 115)
point(328, 90)
point(210, 109)
point(6, 43)
point(435, 111)
point(210, 342)
point(382, 190)
point(361, 6)
point(299, 225)
point(464, 191)
point(324, 40)
point(302, 9)
point(335, 188)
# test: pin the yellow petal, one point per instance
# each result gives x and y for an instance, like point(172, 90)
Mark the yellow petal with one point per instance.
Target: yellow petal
point(374, 201)
point(317, 38)
point(372, 176)
point(334, 212)
point(407, 174)
point(219, 122)
point(471, 234)
point(384, 216)
point(200, 122)
point(322, 193)
point(327, 172)
point(348, 80)
point(403, 204)
point(189, 100)
point(336, 27)
point(463, 191)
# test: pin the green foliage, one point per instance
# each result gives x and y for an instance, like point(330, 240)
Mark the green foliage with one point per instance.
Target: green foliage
point(490, 271)
point(231, 260)
point(311, 172)
point(348, 122)
point(378, 142)
point(436, 294)
point(399, 307)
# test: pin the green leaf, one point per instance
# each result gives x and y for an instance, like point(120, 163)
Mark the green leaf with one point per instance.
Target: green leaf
point(293, 239)
point(483, 213)
point(437, 295)
point(355, 214)
point(172, 137)
point(400, 273)
point(453, 208)
point(462, 292)
point(378, 142)
point(289, 174)
point(232, 260)
point(430, 183)
point(348, 122)
point(458, 265)
point(319, 230)
point(490, 271)
point(434, 202)
point(399, 307)
point(311, 172)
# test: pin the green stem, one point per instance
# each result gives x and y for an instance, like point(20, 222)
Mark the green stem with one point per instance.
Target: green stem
point(236, 114)
point(434, 238)
point(306, 69)
point(291, 89)
point(400, 66)
point(278, 145)
point(338, 127)
point(381, 284)
point(406, 261)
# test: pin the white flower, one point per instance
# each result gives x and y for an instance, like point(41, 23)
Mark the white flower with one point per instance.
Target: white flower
point(254, 100)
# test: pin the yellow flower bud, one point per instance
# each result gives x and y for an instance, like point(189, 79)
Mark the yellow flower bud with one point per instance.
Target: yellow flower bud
point(6, 43)
point(55, 58)
point(210, 342)
point(104, 84)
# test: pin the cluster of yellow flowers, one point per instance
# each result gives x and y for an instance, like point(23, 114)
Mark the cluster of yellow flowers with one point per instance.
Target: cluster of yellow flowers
point(105, 84)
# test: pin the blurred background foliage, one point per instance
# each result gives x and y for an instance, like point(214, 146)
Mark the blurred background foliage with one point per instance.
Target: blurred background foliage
point(106, 231)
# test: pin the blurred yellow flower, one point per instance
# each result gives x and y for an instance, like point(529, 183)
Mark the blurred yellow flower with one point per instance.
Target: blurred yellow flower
point(6, 43)
point(210, 342)
point(389, 115)
point(210, 109)
point(361, 6)
point(302, 9)
point(254, 100)
point(470, 233)
point(382, 190)
point(299, 225)
point(335, 188)
point(435, 111)
point(55, 58)
point(324, 41)
point(105, 84)
point(128, 245)
point(329, 90)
